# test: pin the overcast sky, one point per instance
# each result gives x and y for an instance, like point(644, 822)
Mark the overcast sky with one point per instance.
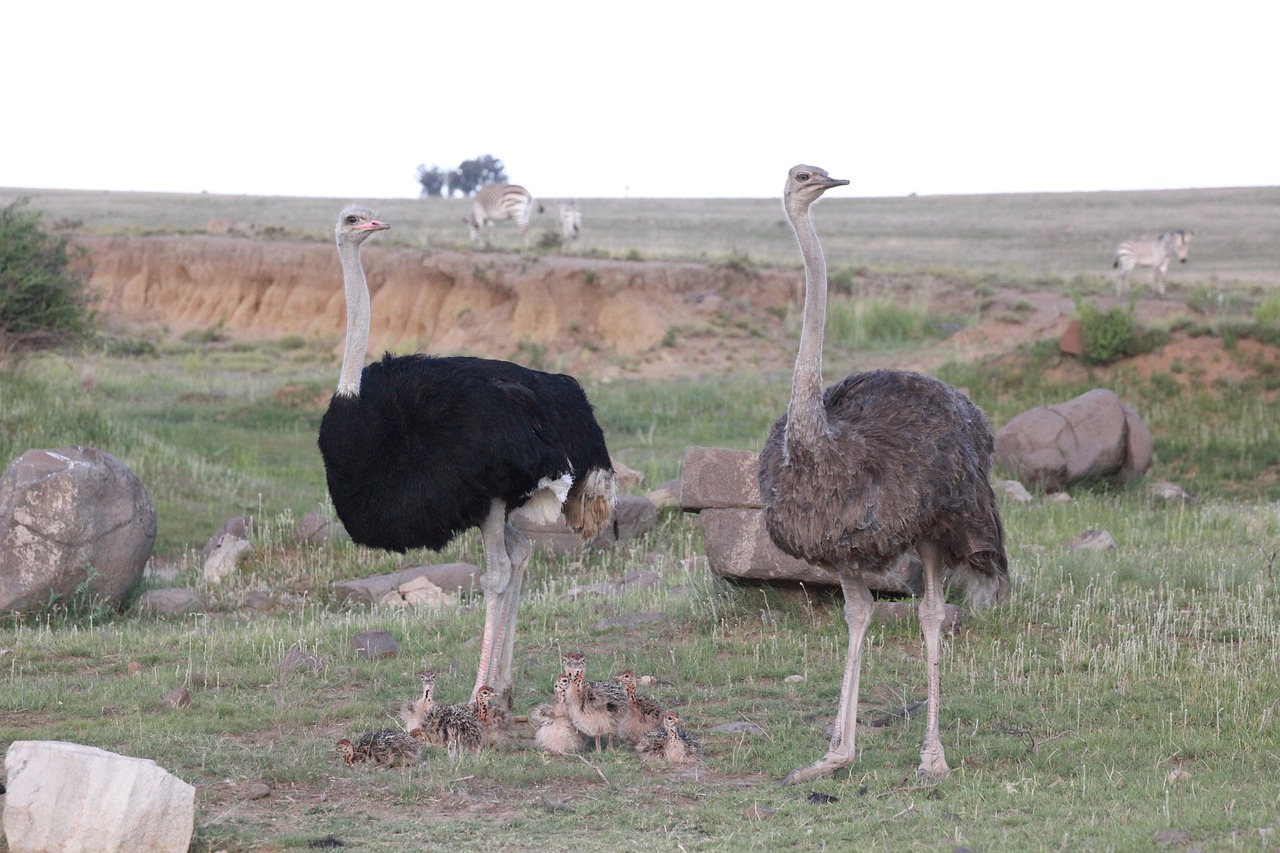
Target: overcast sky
point(653, 98)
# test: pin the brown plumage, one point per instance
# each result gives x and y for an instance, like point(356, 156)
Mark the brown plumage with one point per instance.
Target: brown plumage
point(454, 727)
point(877, 464)
point(641, 714)
point(555, 731)
point(414, 711)
point(594, 706)
point(670, 743)
point(492, 716)
point(389, 747)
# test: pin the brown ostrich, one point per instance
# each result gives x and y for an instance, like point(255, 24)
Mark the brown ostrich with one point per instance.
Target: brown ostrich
point(877, 464)
point(670, 743)
point(556, 732)
point(642, 714)
point(454, 727)
point(594, 706)
point(389, 747)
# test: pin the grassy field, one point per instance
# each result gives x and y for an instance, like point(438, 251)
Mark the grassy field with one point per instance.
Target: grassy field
point(1119, 700)
point(1059, 235)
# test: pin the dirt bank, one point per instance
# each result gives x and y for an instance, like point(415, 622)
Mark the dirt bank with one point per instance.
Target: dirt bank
point(603, 317)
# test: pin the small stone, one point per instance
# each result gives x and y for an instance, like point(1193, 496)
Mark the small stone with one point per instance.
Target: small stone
point(1012, 490)
point(257, 791)
point(134, 667)
point(221, 562)
point(1092, 540)
point(179, 697)
point(173, 601)
point(794, 679)
point(296, 658)
point(374, 645)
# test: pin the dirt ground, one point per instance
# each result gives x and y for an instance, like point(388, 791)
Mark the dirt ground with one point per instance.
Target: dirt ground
point(602, 318)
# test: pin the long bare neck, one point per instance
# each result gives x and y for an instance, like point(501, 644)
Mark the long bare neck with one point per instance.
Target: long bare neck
point(806, 419)
point(357, 289)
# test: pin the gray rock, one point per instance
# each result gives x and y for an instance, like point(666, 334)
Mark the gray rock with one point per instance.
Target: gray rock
point(450, 577)
point(63, 510)
point(240, 527)
point(296, 658)
point(171, 601)
point(76, 799)
point(718, 478)
point(221, 562)
point(179, 697)
point(666, 495)
point(632, 516)
point(315, 528)
point(1093, 435)
point(1169, 494)
point(1092, 540)
point(1012, 490)
point(374, 645)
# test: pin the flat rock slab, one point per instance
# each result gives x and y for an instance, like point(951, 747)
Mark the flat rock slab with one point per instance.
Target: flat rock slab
point(450, 577)
point(372, 645)
point(71, 798)
point(719, 478)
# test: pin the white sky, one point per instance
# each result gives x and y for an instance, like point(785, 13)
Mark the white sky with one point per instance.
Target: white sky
point(641, 98)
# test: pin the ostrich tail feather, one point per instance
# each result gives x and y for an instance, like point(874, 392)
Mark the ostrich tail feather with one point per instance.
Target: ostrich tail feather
point(590, 503)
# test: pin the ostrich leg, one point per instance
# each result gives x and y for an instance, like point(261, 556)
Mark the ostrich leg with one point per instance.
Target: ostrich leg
point(506, 553)
point(857, 612)
point(933, 763)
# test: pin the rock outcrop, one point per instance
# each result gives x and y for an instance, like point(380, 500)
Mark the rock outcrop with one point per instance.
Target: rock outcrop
point(67, 516)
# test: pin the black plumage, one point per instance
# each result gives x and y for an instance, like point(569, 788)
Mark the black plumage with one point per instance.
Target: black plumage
point(418, 456)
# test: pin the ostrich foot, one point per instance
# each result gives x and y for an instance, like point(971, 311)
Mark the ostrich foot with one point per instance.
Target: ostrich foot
point(933, 765)
point(828, 763)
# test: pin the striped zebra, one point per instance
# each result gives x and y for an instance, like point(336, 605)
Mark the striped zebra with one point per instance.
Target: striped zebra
point(1147, 252)
point(570, 221)
point(494, 202)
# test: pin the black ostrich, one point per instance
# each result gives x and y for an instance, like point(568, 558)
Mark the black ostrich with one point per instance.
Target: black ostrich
point(418, 449)
point(878, 463)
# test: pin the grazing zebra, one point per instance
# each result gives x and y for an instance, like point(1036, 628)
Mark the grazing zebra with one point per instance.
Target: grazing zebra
point(570, 221)
point(493, 202)
point(1150, 253)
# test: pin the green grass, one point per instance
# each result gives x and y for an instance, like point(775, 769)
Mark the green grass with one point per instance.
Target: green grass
point(1114, 697)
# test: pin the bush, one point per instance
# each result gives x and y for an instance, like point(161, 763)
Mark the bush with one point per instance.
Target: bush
point(41, 296)
point(1109, 336)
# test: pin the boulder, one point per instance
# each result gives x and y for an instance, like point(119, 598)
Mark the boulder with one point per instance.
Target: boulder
point(239, 526)
point(450, 577)
point(68, 797)
point(1093, 435)
point(715, 477)
point(738, 547)
point(67, 510)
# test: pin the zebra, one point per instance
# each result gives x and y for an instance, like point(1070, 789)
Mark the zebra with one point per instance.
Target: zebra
point(570, 221)
point(1147, 252)
point(493, 202)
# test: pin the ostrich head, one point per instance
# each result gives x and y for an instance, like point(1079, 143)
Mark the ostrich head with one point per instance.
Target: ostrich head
point(804, 185)
point(574, 663)
point(627, 677)
point(561, 686)
point(671, 721)
point(355, 223)
point(347, 750)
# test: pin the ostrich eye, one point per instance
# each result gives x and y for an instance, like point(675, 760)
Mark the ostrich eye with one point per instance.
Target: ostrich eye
point(352, 219)
point(803, 176)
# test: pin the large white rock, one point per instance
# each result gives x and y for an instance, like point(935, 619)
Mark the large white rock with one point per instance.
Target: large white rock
point(68, 798)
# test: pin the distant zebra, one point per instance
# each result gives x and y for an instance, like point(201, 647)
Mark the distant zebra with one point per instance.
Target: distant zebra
point(570, 221)
point(1149, 252)
point(493, 202)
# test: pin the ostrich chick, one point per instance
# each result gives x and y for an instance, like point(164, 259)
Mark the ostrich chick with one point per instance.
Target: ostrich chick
point(642, 714)
point(389, 747)
point(594, 706)
point(414, 711)
point(556, 732)
point(670, 743)
point(492, 716)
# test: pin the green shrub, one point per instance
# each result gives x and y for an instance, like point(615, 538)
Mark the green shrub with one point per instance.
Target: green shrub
point(1109, 336)
point(1268, 311)
point(40, 294)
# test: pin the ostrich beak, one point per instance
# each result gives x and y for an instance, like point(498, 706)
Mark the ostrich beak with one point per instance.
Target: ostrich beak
point(832, 182)
point(378, 225)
